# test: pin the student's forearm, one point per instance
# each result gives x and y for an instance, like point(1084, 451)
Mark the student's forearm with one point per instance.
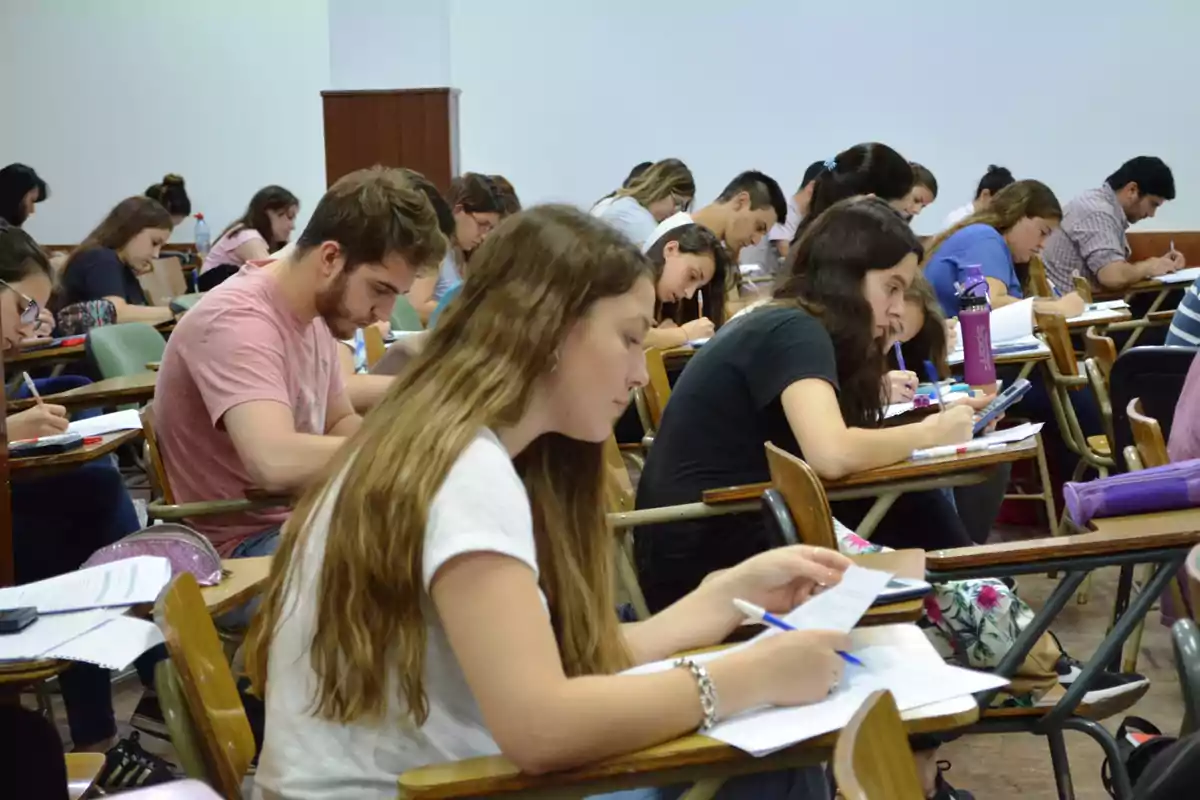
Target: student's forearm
point(693, 621)
point(587, 719)
point(1122, 274)
point(1044, 305)
point(154, 315)
point(365, 391)
point(292, 462)
point(666, 338)
point(860, 449)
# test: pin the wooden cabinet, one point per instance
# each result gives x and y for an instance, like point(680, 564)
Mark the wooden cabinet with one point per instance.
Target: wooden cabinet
point(414, 128)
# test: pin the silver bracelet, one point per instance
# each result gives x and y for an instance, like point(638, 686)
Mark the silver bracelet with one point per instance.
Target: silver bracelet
point(708, 691)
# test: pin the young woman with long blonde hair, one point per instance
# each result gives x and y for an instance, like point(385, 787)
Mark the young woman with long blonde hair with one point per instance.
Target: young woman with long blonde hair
point(446, 591)
point(635, 209)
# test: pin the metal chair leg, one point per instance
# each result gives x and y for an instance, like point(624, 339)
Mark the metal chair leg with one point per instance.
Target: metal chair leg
point(1100, 735)
point(1060, 764)
point(1047, 484)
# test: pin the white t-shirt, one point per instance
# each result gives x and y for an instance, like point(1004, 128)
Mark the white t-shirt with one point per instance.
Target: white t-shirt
point(628, 216)
point(958, 215)
point(481, 506)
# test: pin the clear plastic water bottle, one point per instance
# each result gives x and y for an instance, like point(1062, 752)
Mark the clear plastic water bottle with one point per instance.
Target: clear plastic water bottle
point(975, 327)
point(202, 237)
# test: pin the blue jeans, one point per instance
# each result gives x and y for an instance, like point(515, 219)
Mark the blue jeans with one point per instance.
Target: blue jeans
point(259, 544)
point(58, 522)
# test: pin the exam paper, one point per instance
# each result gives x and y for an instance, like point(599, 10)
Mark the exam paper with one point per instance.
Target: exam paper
point(1182, 276)
point(114, 644)
point(127, 420)
point(119, 583)
point(1016, 433)
point(47, 633)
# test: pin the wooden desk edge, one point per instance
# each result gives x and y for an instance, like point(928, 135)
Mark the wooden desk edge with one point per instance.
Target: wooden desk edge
point(1037, 550)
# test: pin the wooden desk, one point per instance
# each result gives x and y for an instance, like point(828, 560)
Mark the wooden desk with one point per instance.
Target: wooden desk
point(37, 465)
point(244, 578)
point(1100, 320)
point(902, 564)
point(479, 777)
point(137, 388)
point(45, 355)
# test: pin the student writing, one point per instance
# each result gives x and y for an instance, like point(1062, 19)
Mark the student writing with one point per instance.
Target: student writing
point(663, 189)
point(264, 227)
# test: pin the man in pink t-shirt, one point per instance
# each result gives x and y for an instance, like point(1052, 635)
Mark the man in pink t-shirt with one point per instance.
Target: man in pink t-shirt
point(249, 394)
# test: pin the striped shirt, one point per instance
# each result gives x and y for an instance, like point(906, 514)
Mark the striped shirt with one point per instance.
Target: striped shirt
point(1185, 325)
point(1091, 237)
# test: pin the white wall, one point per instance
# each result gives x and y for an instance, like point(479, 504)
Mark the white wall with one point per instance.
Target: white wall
point(563, 98)
point(103, 98)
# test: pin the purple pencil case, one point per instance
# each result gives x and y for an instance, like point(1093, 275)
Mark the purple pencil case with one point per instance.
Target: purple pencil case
point(1167, 488)
point(186, 549)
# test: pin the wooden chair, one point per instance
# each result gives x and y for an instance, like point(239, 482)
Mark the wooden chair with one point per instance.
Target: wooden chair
point(198, 693)
point(82, 771)
point(805, 497)
point(872, 760)
point(165, 508)
point(1039, 283)
point(376, 349)
point(164, 281)
point(619, 497)
point(1083, 288)
point(652, 398)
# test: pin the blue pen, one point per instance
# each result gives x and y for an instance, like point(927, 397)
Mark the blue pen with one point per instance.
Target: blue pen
point(760, 614)
point(899, 357)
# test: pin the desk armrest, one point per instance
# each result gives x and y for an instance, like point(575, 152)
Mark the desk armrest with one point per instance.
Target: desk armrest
point(205, 508)
point(1032, 551)
point(734, 494)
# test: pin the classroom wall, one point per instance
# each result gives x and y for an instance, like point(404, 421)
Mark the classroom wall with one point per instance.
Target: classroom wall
point(564, 98)
point(103, 97)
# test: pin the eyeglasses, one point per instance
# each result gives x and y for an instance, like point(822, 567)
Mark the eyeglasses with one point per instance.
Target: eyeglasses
point(682, 203)
point(31, 311)
point(485, 225)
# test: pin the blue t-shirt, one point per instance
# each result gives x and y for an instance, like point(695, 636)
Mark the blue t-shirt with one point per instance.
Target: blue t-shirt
point(974, 244)
point(450, 294)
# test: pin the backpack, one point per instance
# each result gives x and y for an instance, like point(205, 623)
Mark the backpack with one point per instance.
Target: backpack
point(79, 318)
point(1160, 767)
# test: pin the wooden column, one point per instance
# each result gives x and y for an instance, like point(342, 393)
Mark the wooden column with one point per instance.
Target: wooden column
point(414, 128)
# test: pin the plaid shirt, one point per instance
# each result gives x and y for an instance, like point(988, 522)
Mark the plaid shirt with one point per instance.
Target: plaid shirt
point(1091, 237)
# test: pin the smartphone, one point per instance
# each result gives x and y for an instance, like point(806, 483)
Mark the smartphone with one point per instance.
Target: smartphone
point(899, 589)
point(17, 619)
point(44, 445)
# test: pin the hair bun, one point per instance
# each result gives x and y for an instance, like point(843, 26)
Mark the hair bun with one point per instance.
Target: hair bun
point(993, 168)
point(171, 179)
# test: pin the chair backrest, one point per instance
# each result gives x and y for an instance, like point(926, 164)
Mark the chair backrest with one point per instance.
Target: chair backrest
point(1101, 349)
point(1062, 353)
point(405, 317)
point(1147, 437)
point(163, 281)
point(158, 467)
point(1039, 284)
point(805, 497)
point(124, 349)
point(185, 302)
point(1155, 375)
point(872, 759)
point(619, 488)
point(375, 346)
point(657, 390)
point(1083, 288)
point(219, 719)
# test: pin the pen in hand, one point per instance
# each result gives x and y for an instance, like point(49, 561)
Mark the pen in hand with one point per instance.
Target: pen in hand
point(760, 614)
point(32, 388)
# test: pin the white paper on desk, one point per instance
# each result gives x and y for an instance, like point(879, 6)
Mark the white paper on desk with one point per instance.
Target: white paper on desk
point(49, 632)
point(699, 342)
point(1182, 276)
point(114, 644)
point(1033, 343)
point(1107, 305)
point(119, 583)
point(1094, 313)
point(1017, 433)
point(127, 420)
point(1013, 322)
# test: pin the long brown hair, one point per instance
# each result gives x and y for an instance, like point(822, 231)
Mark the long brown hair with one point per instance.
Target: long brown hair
point(825, 277)
point(929, 343)
point(1009, 206)
point(546, 267)
point(268, 198)
point(128, 218)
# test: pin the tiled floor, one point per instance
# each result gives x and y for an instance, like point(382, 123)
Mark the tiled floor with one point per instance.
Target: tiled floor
point(992, 766)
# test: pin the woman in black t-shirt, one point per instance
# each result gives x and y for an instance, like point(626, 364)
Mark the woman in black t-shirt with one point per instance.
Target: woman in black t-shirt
point(106, 266)
point(804, 372)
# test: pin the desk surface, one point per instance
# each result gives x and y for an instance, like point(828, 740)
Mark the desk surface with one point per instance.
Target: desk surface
point(110, 391)
point(46, 354)
point(1107, 318)
point(244, 578)
point(73, 458)
point(905, 470)
point(496, 773)
point(1138, 532)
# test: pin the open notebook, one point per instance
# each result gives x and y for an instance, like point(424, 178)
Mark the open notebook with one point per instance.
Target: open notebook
point(1012, 332)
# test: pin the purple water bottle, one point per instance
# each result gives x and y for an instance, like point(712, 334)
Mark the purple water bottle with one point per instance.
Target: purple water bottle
point(974, 321)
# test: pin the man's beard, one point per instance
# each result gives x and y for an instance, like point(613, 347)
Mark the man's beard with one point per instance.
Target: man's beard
point(331, 306)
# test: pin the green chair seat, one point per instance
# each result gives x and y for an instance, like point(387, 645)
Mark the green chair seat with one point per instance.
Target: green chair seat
point(125, 348)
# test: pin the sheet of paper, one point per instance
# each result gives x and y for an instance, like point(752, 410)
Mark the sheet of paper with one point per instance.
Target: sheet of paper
point(119, 583)
point(114, 644)
point(49, 632)
point(841, 607)
point(127, 420)
point(1096, 314)
point(1034, 344)
point(1012, 322)
point(1016, 433)
point(699, 342)
point(1182, 276)
point(1108, 305)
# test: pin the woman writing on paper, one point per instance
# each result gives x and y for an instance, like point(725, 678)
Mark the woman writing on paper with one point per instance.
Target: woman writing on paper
point(460, 602)
point(686, 258)
point(635, 209)
point(1008, 232)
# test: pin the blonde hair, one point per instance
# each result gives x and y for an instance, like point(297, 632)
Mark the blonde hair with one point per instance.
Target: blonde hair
point(662, 179)
point(546, 267)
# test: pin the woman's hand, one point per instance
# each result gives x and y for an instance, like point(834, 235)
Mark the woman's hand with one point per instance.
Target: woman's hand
point(44, 419)
point(955, 425)
point(900, 385)
point(1070, 305)
point(789, 669)
point(778, 580)
point(44, 325)
point(698, 329)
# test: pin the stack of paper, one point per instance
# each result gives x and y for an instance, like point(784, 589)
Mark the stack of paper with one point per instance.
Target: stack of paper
point(1099, 311)
point(914, 673)
point(81, 615)
point(1182, 276)
point(1011, 327)
point(127, 420)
